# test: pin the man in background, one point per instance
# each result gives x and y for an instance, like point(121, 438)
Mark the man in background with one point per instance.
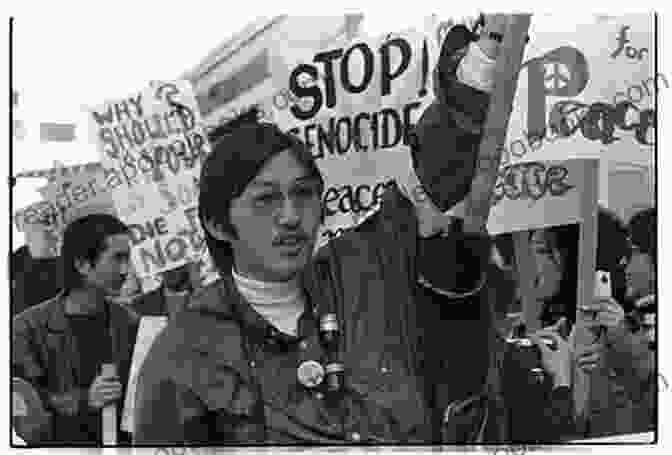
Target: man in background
point(60, 346)
point(640, 270)
point(34, 270)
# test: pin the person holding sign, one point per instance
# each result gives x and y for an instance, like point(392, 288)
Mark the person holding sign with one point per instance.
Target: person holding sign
point(61, 345)
point(618, 361)
point(288, 347)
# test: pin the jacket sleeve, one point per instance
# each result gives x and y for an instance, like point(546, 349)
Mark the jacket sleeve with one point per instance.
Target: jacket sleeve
point(538, 413)
point(25, 358)
point(162, 417)
point(629, 354)
point(165, 411)
point(558, 417)
point(445, 142)
point(26, 364)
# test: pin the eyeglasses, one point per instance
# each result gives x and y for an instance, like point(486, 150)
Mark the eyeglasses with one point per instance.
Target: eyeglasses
point(270, 199)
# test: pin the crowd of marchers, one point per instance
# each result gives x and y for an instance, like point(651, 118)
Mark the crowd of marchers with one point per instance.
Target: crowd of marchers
point(395, 332)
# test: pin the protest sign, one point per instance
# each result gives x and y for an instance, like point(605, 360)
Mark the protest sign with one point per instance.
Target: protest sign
point(40, 213)
point(588, 92)
point(39, 223)
point(152, 146)
point(150, 327)
point(72, 192)
point(354, 101)
point(77, 195)
point(507, 66)
point(354, 105)
point(536, 195)
point(539, 195)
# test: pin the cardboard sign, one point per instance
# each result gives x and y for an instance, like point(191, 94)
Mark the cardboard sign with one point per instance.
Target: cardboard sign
point(586, 91)
point(535, 195)
point(78, 195)
point(150, 327)
point(152, 145)
point(354, 105)
point(40, 213)
point(538, 195)
point(39, 223)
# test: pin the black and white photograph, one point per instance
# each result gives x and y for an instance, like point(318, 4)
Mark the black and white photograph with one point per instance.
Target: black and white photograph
point(351, 230)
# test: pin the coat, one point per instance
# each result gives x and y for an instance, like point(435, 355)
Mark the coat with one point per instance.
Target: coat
point(522, 408)
point(218, 374)
point(45, 354)
point(34, 280)
point(623, 389)
point(157, 303)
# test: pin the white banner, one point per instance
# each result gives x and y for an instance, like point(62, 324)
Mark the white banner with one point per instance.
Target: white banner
point(586, 91)
point(353, 104)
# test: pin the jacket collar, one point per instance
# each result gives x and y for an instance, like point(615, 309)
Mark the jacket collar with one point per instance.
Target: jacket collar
point(223, 300)
point(56, 319)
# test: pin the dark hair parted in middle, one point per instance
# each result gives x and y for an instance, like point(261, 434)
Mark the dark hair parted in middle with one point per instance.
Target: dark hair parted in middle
point(611, 247)
point(239, 151)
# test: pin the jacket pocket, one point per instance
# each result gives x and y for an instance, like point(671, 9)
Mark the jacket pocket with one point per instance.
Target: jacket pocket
point(223, 386)
point(390, 404)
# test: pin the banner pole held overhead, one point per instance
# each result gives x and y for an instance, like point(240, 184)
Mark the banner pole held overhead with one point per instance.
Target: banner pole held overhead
point(507, 67)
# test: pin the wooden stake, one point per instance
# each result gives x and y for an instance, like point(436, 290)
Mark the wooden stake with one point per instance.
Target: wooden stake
point(586, 284)
point(109, 413)
point(525, 267)
point(507, 67)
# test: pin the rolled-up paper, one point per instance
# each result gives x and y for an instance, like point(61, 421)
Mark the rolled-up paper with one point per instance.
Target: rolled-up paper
point(109, 414)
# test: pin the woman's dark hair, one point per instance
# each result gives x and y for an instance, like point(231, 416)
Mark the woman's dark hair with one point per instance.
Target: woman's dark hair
point(563, 303)
point(240, 149)
point(85, 239)
point(611, 247)
point(642, 231)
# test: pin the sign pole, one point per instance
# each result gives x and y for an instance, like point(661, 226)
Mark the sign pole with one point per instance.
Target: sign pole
point(109, 414)
point(586, 286)
point(507, 67)
point(531, 307)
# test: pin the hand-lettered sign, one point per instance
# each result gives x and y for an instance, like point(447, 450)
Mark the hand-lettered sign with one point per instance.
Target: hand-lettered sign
point(152, 145)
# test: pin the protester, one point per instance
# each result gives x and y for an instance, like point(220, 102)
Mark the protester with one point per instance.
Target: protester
point(34, 270)
point(286, 348)
point(555, 252)
point(618, 364)
point(59, 345)
point(641, 269)
point(500, 391)
point(169, 298)
point(29, 418)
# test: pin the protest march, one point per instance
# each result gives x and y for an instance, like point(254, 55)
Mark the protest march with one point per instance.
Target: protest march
point(438, 235)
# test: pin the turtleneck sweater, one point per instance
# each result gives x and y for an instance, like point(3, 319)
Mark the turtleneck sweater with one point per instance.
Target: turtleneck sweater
point(280, 303)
